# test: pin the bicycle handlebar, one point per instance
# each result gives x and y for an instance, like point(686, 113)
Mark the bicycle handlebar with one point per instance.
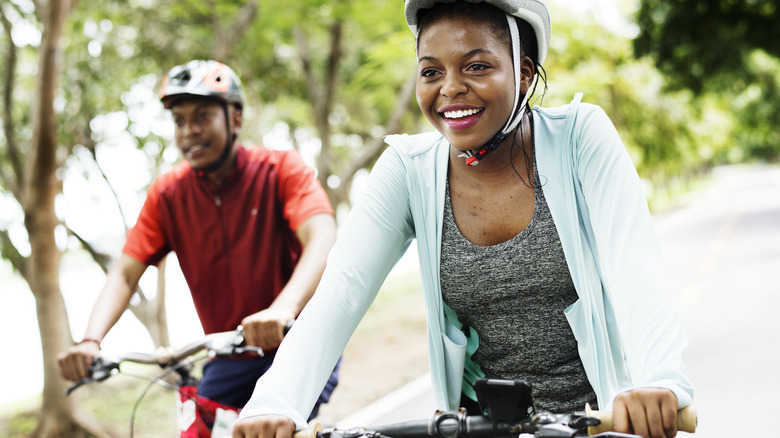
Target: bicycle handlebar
point(223, 344)
point(687, 420)
point(459, 425)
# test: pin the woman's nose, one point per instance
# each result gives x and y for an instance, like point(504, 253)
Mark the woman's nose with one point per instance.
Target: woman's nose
point(453, 85)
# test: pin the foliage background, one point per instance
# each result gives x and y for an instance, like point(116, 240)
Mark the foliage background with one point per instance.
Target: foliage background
point(688, 84)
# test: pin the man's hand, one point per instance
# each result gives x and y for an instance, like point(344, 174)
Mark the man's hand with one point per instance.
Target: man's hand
point(265, 329)
point(264, 426)
point(74, 364)
point(649, 412)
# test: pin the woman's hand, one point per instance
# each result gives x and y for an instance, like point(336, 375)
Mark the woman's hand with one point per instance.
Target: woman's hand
point(264, 426)
point(649, 412)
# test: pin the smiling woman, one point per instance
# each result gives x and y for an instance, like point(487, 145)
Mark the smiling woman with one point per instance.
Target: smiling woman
point(461, 87)
point(486, 64)
point(533, 236)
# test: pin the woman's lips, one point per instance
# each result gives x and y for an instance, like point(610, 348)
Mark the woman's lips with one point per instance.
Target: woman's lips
point(461, 118)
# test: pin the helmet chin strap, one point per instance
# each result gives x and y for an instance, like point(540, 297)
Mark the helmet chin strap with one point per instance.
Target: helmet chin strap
point(474, 155)
point(230, 140)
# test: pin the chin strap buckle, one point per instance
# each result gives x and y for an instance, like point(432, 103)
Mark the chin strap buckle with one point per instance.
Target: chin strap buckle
point(472, 159)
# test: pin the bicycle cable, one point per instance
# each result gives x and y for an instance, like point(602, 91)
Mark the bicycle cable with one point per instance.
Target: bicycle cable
point(158, 380)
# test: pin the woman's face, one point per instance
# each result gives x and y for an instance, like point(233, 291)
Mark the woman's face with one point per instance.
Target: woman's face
point(465, 85)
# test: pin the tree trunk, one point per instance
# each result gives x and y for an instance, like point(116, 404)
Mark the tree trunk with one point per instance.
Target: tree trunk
point(60, 416)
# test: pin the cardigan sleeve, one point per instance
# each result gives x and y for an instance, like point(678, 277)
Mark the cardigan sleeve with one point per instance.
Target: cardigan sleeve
point(629, 258)
point(375, 235)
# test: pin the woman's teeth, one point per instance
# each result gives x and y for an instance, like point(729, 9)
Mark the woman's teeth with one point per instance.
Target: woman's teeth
point(461, 113)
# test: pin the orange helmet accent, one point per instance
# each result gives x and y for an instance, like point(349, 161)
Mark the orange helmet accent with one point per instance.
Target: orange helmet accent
point(218, 79)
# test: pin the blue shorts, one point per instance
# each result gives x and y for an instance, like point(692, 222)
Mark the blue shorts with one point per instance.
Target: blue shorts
point(232, 381)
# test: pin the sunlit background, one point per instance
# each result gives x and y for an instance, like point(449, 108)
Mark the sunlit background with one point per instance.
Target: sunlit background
point(675, 135)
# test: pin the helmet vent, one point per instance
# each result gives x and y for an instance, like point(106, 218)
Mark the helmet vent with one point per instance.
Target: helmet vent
point(183, 77)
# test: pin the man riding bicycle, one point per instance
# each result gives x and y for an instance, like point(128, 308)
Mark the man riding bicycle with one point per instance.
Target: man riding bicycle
point(251, 228)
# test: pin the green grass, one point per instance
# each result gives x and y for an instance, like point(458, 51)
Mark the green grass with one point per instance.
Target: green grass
point(678, 193)
point(111, 402)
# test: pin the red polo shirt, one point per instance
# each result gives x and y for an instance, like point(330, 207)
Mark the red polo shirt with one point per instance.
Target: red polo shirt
point(236, 245)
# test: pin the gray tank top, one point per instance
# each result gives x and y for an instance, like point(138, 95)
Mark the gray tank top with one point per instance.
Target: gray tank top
point(514, 295)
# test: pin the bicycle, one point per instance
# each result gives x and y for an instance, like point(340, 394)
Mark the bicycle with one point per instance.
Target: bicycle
point(508, 411)
point(195, 412)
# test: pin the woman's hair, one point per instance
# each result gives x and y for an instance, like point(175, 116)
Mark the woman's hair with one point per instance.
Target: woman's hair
point(485, 12)
point(495, 18)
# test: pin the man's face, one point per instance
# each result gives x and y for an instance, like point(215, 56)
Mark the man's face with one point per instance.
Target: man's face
point(200, 131)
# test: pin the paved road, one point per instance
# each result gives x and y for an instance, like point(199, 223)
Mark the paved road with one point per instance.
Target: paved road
point(723, 252)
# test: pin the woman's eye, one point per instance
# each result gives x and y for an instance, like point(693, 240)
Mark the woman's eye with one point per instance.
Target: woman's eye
point(428, 72)
point(477, 67)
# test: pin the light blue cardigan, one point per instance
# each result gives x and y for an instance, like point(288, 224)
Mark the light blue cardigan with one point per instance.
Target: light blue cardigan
point(625, 323)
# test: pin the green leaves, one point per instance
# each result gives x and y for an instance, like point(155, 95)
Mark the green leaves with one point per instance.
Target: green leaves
point(694, 41)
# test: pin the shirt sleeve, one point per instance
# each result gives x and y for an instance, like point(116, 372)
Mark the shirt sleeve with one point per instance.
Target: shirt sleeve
point(146, 241)
point(300, 191)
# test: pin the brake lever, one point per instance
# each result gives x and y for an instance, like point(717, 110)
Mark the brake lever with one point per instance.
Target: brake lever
point(614, 435)
point(235, 349)
point(101, 369)
point(249, 349)
point(76, 385)
point(236, 346)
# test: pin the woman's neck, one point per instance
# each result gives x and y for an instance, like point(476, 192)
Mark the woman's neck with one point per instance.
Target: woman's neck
point(508, 158)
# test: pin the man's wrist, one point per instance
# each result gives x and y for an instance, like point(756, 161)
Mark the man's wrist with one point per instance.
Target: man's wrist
point(284, 311)
point(88, 339)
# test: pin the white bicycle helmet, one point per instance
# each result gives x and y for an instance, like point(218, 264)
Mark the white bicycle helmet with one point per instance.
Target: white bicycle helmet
point(535, 13)
point(200, 78)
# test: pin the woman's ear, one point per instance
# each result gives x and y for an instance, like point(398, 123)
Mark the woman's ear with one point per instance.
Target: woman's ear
point(527, 74)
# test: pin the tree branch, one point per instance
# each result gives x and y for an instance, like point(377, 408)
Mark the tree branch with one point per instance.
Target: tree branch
point(331, 74)
point(308, 74)
point(322, 102)
point(195, 13)
point(73, 4)
point(10, 253)
point(227, 39)
point(214, 17)
point(14, 182)
point(37, 6)
point(93, 155)
point(102, 259)
point(375, 148)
